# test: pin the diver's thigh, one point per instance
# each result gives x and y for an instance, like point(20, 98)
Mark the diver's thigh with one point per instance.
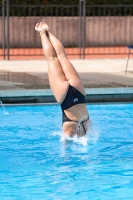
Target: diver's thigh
point(58, 82)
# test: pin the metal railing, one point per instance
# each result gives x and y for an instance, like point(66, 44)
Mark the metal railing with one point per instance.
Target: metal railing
point(84, 30)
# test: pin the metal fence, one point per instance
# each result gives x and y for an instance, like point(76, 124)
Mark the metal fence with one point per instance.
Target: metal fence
point(84, 30)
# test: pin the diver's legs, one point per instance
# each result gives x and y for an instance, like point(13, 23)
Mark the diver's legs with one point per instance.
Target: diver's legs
point(69, 71)
point(57, 79)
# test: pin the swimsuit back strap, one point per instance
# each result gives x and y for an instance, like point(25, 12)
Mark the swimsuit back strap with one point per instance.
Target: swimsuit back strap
point(82, 122)
point(83, 126)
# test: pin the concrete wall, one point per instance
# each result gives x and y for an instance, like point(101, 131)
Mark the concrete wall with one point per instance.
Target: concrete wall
point(100, 31)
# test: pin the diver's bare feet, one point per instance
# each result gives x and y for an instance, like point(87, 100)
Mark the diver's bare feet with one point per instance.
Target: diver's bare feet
point(41, 27)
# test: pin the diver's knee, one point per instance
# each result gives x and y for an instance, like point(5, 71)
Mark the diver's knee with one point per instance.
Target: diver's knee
point(61, 56)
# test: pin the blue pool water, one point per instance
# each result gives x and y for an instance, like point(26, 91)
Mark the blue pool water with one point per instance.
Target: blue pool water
point(36, 164)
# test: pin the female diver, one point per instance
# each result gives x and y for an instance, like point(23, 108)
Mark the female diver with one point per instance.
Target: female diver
point(65, 84)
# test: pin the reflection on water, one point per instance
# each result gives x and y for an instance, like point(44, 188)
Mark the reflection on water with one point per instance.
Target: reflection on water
point(22, 80)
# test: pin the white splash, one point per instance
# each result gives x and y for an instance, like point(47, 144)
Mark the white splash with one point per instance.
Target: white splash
point(90, 138)
point(80, 140)
point(93, 135)
point(5, 113)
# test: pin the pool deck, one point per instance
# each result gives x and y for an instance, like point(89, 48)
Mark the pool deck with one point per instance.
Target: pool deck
point(104, 80)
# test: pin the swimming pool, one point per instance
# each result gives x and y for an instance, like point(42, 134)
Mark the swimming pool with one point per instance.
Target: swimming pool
point(36, 164)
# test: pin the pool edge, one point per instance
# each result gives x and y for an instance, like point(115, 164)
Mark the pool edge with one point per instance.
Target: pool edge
point(93, 95)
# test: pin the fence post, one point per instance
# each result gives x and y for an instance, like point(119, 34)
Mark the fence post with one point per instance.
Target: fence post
point(8, 35)
point(82, 27)
point(5, 21)
point(3, 27)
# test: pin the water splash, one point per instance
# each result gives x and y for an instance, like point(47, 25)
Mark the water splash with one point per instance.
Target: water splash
point(79, 140)
point(2, 105)
point(90, 138)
